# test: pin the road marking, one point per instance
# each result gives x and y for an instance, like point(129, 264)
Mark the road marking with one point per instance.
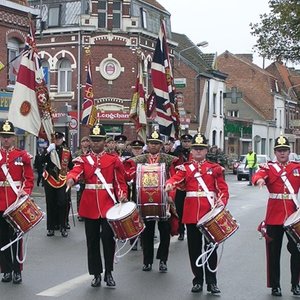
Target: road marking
point(63, 288)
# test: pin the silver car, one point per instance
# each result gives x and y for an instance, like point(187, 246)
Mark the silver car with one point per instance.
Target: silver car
point(243, 172)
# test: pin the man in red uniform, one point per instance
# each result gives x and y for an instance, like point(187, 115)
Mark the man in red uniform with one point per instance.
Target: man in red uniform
point(205, 188)
point(282, 178)
point(16, 179)
point(154, 145)
point(103, 174)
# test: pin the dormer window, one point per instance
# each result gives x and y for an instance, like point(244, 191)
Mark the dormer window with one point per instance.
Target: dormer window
point(144, 18)
point(54, 16)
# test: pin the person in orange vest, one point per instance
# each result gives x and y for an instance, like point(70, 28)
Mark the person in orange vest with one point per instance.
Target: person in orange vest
point(251, 163)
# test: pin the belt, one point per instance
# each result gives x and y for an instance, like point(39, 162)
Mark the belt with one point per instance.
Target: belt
point(199, 194)
point(282, 196)
point(6, 183)
point(98, 186)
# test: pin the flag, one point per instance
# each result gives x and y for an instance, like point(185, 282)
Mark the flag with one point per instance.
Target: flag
point(89, 111)
point(137, 110)
point(167, 115)
point(24, 110)
point(30, 107)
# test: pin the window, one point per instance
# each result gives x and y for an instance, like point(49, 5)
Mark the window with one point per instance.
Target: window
point(54, 16)
point(64, 76)
point(13, 49)
point(221, 103)
point(102, 13)
point(233, 113)
point(117, 14)
point(144, 18)
point(46, 72)
point(214, 103)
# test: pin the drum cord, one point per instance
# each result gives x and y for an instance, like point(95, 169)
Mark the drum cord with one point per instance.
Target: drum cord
point(20, 261)
point(117, 257)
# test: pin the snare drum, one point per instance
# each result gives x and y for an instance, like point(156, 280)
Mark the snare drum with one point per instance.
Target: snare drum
point(292, 226)
point(23, 214)
point(125, 220)
point(151, 197)
point(217, 225)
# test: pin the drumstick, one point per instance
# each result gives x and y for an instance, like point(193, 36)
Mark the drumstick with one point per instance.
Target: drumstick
point(67, 189)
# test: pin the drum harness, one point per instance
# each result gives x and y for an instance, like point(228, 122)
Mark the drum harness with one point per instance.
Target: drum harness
point(12, 184)
point(204, 257)
point(99, 175)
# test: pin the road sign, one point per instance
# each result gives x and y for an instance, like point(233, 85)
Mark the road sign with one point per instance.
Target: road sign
point(73, 123)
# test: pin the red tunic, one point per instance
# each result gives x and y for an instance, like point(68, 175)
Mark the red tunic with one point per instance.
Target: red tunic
point(279, 208)
point(95, 203)
point(196, 207)
point(18, 163)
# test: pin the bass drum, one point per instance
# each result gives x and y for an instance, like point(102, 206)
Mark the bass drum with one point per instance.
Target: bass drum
point(292, 226)
point(151, 197)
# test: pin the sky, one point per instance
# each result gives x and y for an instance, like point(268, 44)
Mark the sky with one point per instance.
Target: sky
point(224, 24)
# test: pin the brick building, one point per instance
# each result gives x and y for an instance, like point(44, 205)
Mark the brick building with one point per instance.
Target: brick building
point(255, 106)
point(118, 35)
point(14, 27)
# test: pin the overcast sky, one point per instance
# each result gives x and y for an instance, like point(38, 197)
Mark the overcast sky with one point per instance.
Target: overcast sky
point(224, 24)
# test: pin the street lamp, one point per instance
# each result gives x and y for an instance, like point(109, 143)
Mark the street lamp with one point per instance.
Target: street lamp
point(201, 44)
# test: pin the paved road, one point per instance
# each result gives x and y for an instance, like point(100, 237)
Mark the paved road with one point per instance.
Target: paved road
point(56, 267)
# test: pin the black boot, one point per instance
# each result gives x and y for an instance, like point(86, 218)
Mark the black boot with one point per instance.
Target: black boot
point(7, 277)
point(296, 289)
point(276, 291)
point(109, 279)
point(96, 282)
point(17, 277)
point(213, 288)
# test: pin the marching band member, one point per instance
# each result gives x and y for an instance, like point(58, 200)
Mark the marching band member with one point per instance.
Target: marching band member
point(205, 188)
point(55, 185)
point(16, 179)
point(104, 178)
point(85, 148)
point(282, 179)
point(154, 145)
point(183, 153)
point(120, 141)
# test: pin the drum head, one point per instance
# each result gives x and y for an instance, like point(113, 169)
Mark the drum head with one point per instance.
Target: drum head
point(15, 205)
point(210, 215)
point(120, 210)
point(292, 218)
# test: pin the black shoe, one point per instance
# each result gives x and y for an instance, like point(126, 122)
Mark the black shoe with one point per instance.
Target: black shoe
point(96, 282)
point(213, 288)
point(249, 184)
point(276, 291)
point(181, 237)
point(17, 278)
point(80, 219)
point(147, 267)
point(163, 267)
point(109, 279)
point(50, 233)
point(64, 232)
point(296, 289)
point(7, 277)
point(197, 288)
point(68, 226)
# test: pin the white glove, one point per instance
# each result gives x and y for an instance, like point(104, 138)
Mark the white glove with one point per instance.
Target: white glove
point(77, 187)
point(51, 147)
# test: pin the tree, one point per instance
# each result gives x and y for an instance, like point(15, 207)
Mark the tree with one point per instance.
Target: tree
point(278, 32)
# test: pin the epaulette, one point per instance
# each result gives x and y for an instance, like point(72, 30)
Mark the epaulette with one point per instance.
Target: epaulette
point(180, 167)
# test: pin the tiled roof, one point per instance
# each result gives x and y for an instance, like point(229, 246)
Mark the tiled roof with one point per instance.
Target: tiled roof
point(193, 55)
point(155, 4)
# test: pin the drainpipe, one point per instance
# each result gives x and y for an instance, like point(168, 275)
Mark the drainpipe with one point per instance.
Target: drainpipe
point(78, 86)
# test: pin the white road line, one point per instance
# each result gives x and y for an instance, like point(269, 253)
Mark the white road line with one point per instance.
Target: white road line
point(65, 287)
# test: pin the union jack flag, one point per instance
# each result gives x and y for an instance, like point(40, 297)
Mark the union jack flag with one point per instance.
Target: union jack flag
point(89, 111)
point(162, 80)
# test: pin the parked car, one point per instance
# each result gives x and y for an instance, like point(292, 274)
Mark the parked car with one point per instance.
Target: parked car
point(243, 172)
point(236, 163)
